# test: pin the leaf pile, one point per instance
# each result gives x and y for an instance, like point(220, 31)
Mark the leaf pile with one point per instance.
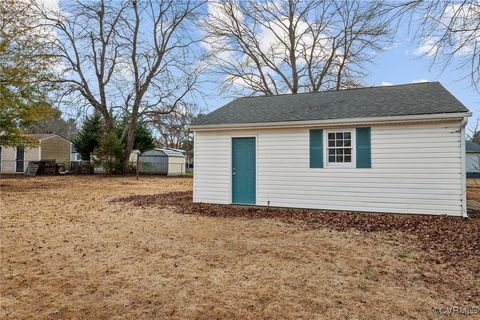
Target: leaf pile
point(447, 239)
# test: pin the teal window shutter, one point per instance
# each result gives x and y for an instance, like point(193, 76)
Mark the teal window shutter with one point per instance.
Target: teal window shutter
point(316, 148)
point(364, 150)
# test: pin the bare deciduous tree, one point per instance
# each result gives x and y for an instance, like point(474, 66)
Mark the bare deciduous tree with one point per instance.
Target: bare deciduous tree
point(130, 58)
point(448, 32)
point(57, 125)
point(474, 133)
point(173, 128)
point(274, 47)
point(86, 41)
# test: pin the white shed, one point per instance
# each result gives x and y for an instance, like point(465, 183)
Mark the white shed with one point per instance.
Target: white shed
point(473, 158)
point(392, 149)
point(133, 156)
point(162, 161)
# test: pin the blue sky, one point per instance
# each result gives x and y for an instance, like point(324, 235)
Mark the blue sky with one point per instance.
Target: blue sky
point(401, 64)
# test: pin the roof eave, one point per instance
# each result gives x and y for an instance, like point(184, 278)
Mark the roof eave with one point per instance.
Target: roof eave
point(54, 135)
point(334, 122)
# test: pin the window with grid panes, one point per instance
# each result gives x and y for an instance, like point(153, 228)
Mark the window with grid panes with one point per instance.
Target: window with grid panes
point(339, 147)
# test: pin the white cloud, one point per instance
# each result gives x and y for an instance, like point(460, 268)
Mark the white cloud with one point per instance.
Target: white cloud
point(52, 5)
point(419, 81)
point(124, 69)
point(385, 83)
point(427, 47)
point(47, 7)
point(271, 38)
point(272, 41)
point(463, 20)
point(216, 11)
point(219, 46)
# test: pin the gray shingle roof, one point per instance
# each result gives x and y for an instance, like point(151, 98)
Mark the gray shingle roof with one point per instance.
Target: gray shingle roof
point(40, 136)
point(472, 147)
point(399, 100)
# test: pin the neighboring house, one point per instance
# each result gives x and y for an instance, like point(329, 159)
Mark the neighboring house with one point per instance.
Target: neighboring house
point(162, 161)
point(50, 146)
point(472, 159)
point(395, 149)
point(75, 155)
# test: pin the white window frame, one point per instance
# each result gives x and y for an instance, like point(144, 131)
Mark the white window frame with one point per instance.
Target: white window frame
point(326, 163)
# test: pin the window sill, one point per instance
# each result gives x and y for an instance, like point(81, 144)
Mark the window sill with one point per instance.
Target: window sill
point(340, 166)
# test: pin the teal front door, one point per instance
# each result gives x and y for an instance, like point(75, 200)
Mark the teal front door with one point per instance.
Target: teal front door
point(243, 171)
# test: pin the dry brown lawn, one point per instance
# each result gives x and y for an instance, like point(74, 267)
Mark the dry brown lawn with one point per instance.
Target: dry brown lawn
point(473, 190)
point(68, 251)
point(473, 182)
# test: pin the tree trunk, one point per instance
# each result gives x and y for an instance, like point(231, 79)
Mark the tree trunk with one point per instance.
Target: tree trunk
point(108, 122)
point(292, 54)
point(132, 129)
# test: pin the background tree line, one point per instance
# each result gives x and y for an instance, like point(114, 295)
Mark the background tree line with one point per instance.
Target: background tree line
point(139, 64)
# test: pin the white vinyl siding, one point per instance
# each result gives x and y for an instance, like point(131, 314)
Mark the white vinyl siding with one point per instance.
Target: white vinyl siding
point(416, 168)
point(212, 168)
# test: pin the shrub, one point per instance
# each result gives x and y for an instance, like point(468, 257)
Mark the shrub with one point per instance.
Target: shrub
point(110, 153)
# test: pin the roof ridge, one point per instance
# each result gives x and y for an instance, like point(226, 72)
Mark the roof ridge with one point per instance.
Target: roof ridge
point(346, 89)
point(41, 134)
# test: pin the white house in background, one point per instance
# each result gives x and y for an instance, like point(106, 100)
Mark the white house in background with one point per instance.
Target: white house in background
point(473, 158)
point(75, 155)
point(395, 149)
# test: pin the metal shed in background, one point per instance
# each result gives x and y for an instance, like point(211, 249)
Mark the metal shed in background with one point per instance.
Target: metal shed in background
point(162, 161)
